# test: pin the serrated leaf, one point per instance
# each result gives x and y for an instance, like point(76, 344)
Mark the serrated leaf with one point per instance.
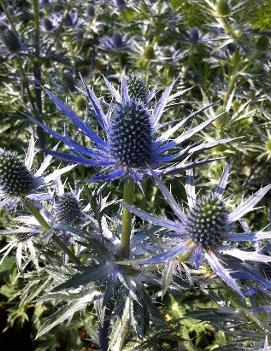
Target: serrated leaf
point(88, 275)
point(66, 312)
point(119, 328)
point(167, 275)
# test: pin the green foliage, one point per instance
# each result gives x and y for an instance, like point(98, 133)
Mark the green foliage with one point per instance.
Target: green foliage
point(262, 17)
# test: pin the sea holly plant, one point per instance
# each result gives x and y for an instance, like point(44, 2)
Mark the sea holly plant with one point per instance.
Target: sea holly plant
point(72, 246)
point(131, 147)
point(104, 263)
point(207, 230)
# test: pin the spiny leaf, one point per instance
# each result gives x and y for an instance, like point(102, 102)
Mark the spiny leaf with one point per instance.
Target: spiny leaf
point(88, 275)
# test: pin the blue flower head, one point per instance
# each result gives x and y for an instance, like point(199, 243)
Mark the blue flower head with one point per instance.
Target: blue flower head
point(18, 181)
point(130, 137)
point(207, 231)
point(15, 178)
point(131, 145)
point(207, 222)
point(137, 89)
point(67, 209)
point(116, 42)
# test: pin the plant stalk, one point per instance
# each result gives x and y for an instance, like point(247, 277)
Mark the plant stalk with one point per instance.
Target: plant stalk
point(46, 226)
point(128, 197)
point(37, 71)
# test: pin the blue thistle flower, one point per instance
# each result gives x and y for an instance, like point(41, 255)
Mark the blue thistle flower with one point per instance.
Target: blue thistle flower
point(130, 136)
point(205, 228)
point(15, 178)
point(11, 40)
point(67, 209)
point(116, 42)
point(72, 20)
point(51, 24)
point(207, 221)
point(194, 35)
point(18, 181)
point(65, 217)
point(137, 89)
point(47, 24)
point(131, 146)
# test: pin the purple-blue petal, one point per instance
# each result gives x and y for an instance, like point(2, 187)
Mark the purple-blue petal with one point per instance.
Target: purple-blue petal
point(119, 173)
point(222, 272)
point(67, 111)
point(98, 111)
point(67, 140)
point(162, 258)
point(78, 159)
point(197, 257)
point(155, 220)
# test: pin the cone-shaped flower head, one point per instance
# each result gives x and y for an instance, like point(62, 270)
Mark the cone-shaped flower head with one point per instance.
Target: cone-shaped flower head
point(131, 144)
point(131, 135)
point(137, 89)
point(207, 230)
point(11, 40)
point(68, 210)
point(207, 221)
point(194, 35)
point(15, 178)
point(116, 42)
point(18, 180)
point(47, 23)
point(117, 39)
point(68, 82)
point(223, 8)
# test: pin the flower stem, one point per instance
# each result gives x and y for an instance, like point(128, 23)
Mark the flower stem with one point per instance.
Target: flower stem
point(37, 72)
point(230, 88)
point(128, 197)
point(25, 83)
point(36, 68)
point(46, 226)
